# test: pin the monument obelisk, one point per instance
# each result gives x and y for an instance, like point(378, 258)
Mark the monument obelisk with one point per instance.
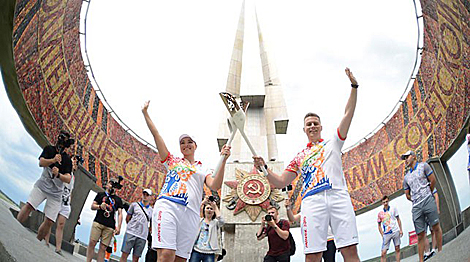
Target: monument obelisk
point(246, 193)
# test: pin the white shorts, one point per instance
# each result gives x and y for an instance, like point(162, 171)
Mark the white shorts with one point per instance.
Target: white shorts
point(52, 207)
point(174, 227)
point(65, 211)
point(327, 208)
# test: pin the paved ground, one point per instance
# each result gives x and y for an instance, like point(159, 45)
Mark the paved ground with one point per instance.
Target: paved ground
point(457, 250)
point(20, 244)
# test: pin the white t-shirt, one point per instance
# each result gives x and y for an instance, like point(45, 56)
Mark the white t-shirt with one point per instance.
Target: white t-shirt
point(139, 224)
point(320, 165)
point(388, 220)
point(184, 182)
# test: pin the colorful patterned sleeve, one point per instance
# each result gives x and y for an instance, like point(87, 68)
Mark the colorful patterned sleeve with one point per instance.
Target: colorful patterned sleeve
point(168, 160)
point(293, 165)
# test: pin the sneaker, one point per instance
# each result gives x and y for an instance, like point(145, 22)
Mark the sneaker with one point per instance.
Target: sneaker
point(433, 252)
point(426, 256)
point(59, 252)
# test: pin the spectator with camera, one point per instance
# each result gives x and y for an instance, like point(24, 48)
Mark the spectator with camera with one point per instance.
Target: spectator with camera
point(207, 243)
point(104, 226)
point(65, 207)
point(57, 167)
point(138, 221)
point(277, 231)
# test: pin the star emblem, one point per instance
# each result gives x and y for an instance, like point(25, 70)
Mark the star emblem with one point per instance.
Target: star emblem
point(251, 192)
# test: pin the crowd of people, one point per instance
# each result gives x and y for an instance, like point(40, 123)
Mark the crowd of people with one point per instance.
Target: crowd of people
point(184, 225)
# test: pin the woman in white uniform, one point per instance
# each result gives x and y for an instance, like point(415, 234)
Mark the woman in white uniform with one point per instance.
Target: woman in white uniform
point(175, 218)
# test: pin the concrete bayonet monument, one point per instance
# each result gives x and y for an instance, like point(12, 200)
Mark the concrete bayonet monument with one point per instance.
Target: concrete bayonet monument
point(246, 192)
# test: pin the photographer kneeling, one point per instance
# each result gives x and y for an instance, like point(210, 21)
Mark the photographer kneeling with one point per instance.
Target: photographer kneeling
point(104, 225)
point(277, 231)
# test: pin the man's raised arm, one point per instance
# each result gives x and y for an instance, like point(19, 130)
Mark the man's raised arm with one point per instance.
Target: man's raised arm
point(350, 106)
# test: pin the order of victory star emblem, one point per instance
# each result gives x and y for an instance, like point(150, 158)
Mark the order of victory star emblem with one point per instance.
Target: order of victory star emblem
point(252, 193)
point(253, 189)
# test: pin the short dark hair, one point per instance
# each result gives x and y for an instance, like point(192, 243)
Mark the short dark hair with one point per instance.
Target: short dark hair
point(309, 114)
point(271, 207)
point(385, 197)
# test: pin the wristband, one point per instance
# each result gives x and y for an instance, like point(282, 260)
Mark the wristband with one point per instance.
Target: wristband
point(354, 86)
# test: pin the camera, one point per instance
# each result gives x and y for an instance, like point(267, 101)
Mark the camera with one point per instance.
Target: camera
point(268, 217)
point(211, 198)
point(79, 159)
point(64, 140)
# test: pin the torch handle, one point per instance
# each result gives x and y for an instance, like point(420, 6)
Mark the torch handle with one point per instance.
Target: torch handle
point(221, 159)
point(252, 150)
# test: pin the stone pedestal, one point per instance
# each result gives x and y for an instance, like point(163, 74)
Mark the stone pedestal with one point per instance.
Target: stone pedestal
point(84, 182)
point(241, 243)
point(448, 199)
point(240, 231)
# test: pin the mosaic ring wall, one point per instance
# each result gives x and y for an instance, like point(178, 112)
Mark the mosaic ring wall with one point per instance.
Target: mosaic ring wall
point(55, 86)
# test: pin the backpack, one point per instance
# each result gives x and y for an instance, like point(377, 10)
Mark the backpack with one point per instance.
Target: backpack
point(292, 243)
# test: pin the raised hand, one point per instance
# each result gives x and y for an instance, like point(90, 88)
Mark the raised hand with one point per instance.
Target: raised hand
point(258, 162)
point(287, 203)
point(205, 201)
point(226, 151)
point(351, 76)
point(213, 205)
point(145, 106)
